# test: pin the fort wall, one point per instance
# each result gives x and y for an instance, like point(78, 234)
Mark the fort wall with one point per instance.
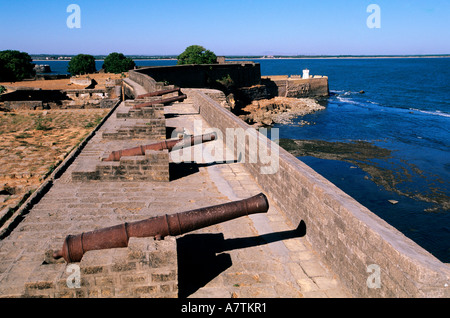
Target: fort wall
point(243, 74)
point(296, 86)
point(33, 99)
point(352, 240)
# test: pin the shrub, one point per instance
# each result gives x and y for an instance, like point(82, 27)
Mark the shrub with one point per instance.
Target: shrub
point(81, 64)
point(118, 63)
point(15, 66)
point(196, 54)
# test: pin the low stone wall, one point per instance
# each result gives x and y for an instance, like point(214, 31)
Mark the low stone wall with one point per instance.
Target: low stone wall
point(153, 129)
point(296, 87)
point(148, 83)
point(153, 166)
point(146, 268)
point(33, 99)
point(243, 74)
point(24, 105)
point(353, 241)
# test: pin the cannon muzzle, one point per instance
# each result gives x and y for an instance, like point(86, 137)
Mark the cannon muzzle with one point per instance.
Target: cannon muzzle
point(167, 144)
point(158, 227)
point(160, 93)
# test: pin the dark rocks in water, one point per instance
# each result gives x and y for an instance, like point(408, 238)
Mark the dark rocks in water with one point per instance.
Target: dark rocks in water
point(42, 69)
point(345, 151)
point(367, 156)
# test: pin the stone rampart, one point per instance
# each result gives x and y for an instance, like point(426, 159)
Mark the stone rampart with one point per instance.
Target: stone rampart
point(371, 257)
point(146, 268)
point(243, 74)
point(32, 99)
point(146, 82)
point(296, 87)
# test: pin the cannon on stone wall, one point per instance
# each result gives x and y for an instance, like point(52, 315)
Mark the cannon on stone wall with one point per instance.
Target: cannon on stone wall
point(163, 101)
point(167, 144)
point(159, 227)
point(160, 93)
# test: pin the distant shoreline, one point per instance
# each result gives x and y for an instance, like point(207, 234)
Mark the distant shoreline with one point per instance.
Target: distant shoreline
point(343, 57)
point(149, 59)
point(287, 58)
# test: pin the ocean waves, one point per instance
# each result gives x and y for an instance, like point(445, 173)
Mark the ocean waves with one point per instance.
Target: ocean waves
point(354, 98)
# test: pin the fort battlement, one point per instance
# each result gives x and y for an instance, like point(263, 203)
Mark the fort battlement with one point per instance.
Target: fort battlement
point(315, 241)
point(347, 235)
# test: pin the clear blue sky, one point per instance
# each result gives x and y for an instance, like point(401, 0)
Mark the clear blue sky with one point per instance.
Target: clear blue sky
point(227, 27)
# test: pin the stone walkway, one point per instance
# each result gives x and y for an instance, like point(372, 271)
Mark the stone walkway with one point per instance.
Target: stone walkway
point(257, 256)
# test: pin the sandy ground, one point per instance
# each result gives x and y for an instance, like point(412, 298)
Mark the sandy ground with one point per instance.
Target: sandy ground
point(100, 78)
point(33, 143)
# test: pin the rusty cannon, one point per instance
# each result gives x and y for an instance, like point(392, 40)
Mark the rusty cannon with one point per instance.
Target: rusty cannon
point(163, 101)
point(159, 227)
point(170, 145)
point(160, 93)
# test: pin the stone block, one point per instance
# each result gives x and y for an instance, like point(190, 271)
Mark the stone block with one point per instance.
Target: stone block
point(113, 273)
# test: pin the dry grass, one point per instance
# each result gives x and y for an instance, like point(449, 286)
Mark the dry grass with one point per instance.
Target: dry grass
point(33, 143)
point(61, 84)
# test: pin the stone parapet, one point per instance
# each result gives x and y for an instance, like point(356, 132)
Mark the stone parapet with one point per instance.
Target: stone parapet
point(296, 87)
point(154, 111)
point(153, 129)
point(154, 166)
point(351, 239)
point(146, 268)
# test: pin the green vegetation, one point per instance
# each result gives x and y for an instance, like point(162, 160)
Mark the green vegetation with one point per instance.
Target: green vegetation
point(82, 64)
point(95, 122)
point(2, 89)
point(42, 123)
point(196, 54)
point(226, 81)
point(15, 66)
point(118, 63)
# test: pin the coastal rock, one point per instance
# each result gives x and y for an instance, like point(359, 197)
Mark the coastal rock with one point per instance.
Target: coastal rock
point(280, 110)
point(42, 68)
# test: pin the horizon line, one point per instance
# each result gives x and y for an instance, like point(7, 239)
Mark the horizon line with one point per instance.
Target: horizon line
point(266, 56)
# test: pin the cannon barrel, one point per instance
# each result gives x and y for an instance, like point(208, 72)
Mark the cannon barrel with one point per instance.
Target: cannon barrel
point(163, 101)
point(160, 93)
point(167, 144)
point(159, 227)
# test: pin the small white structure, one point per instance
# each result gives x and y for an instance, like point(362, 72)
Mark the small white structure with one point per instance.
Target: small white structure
point(305, 74)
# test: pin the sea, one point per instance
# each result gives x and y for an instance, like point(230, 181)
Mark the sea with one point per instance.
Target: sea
point(399, 107)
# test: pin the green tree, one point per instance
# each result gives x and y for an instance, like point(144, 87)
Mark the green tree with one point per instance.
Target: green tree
point(82, 64)
point(118, 63)
point(15, 66)
point(196, 54)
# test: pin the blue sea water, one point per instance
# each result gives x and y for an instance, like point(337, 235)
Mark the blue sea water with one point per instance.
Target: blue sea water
point(405, 108)
point(60, 67)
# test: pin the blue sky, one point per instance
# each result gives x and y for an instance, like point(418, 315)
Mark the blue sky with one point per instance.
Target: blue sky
point(227, 27)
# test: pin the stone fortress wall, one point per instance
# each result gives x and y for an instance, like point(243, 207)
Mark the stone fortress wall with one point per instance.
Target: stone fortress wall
point(352, 239)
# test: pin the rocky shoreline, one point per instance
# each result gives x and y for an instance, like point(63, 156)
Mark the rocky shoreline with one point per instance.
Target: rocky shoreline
point(367, 157)
point(281, 110)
